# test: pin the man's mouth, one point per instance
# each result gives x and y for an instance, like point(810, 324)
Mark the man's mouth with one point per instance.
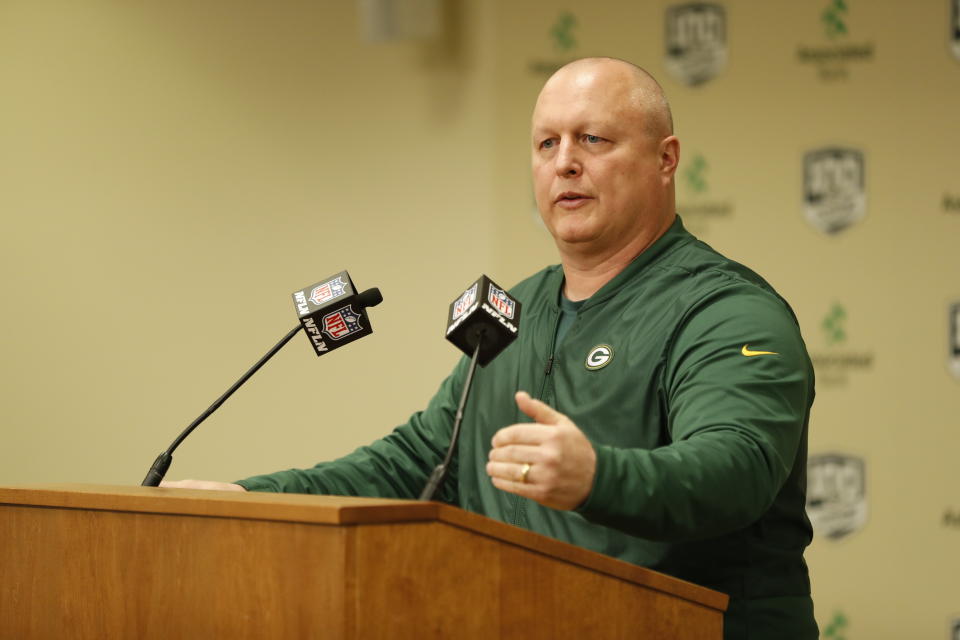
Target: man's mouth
point(571, 198)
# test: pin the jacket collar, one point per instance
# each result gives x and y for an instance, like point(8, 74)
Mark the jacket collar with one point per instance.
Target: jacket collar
point(674, 236)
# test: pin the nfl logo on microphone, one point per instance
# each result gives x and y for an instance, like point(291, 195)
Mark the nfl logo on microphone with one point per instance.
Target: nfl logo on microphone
point(500, 301)
point(328, 291)
point(463, 303)
point(330, 326)
point(341, 323)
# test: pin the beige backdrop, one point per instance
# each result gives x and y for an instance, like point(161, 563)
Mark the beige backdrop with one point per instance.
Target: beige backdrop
point(170, 172)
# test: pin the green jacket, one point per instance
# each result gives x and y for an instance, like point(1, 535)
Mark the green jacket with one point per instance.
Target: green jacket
point(701, 445)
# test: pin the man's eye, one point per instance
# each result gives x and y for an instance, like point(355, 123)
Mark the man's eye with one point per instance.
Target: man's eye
point(593, 139)
point(546, 144)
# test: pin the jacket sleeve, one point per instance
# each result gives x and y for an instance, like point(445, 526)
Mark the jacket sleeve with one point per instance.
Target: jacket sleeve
point(396, 466)
point(737, 385)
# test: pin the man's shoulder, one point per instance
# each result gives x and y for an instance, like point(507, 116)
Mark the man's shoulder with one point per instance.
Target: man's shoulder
point(697, 278)
point(703, 269)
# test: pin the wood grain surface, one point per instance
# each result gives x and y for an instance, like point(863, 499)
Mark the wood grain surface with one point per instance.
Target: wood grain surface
point(87, 561)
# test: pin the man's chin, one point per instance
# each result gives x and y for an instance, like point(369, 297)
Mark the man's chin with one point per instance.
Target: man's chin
point(578, 240)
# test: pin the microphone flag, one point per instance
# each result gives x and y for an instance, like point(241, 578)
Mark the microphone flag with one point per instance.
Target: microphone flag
point(484, 309)
point(331, 314)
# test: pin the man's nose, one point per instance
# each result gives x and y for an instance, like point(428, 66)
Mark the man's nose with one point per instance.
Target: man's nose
point(568, 160)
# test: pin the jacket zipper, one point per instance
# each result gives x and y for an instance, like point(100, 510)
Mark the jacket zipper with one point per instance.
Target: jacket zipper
point(519, 505)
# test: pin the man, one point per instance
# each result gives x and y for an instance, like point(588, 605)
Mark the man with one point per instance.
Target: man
point(666, 389)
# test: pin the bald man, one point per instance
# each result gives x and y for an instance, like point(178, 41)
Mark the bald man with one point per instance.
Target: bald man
point(655, 405)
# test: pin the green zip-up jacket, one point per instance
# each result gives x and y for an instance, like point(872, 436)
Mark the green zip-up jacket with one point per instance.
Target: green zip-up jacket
point(699, 422)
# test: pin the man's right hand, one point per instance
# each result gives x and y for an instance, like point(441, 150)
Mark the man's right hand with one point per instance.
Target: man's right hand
point(201, 484)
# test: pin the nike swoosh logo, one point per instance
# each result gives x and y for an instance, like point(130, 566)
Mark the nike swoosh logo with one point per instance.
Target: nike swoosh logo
point(747, 352)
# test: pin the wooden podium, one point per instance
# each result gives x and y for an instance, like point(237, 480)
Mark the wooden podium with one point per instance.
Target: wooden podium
point(88, 561)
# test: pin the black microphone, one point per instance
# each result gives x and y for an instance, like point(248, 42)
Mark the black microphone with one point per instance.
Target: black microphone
point(484, 309)
point(481, 322)
point(332, 312)
point(333, 304)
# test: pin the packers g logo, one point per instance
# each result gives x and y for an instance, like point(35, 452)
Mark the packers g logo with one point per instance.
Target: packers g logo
point(599, 357)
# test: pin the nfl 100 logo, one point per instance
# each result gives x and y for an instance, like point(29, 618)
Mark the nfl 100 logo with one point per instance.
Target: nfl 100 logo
point(955, 28)
point(696, 42)
point(953, 354)
point(836, 494)
point(464, 302)
point(834, 196)
point(501, 302)
point(341, 323)
point(328, 291)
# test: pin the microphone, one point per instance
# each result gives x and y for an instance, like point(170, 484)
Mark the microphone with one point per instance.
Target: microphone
point(481, 322)
point(483, 310)
point(332, 312)
point(334, 305)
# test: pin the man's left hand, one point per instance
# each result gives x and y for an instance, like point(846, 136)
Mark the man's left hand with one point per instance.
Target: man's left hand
point(558, 459)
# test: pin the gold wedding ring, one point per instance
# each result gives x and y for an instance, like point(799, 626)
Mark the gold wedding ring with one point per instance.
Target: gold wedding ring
point(524, 471)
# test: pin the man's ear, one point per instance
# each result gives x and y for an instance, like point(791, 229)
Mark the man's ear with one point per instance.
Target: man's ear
point(669, 153)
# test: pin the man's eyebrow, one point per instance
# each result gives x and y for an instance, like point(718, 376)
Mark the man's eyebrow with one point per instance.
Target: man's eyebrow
point(545, 129)
point(537, 132)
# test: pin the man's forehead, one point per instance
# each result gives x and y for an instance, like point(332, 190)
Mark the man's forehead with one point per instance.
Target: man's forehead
point(573, 119)
point(588, 109)
point(590, 76)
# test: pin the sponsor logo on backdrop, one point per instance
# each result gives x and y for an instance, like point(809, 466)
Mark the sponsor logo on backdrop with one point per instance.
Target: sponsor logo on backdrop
point(951, 202)
point(833, 325)
point(836, 629)
point(463, 303)
point(697, 205)
point(951, 518)
point(953, 351)
point(955, 28)
point(834, 56)
point(695, 175)
point(328, 291)
point(837, 363)
point(563, 39)
point(562, 32)
point(696, 42)
point(341, 323)
point(836, 494)
point(834, 188)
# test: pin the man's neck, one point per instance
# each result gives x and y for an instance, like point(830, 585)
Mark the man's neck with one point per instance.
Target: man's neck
point(586, 271)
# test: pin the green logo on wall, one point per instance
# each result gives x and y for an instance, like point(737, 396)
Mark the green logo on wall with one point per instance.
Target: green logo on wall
point(833, 324)
point(562, 32)
point(836, 629)
point(833, 60)
point(832, 18)
point(835, 363)
point(696, 204)
point(951, 203)
point(696, 181)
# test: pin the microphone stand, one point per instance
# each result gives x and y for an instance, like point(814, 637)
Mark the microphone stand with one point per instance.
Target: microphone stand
point(440, 471)
point(162, 463)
